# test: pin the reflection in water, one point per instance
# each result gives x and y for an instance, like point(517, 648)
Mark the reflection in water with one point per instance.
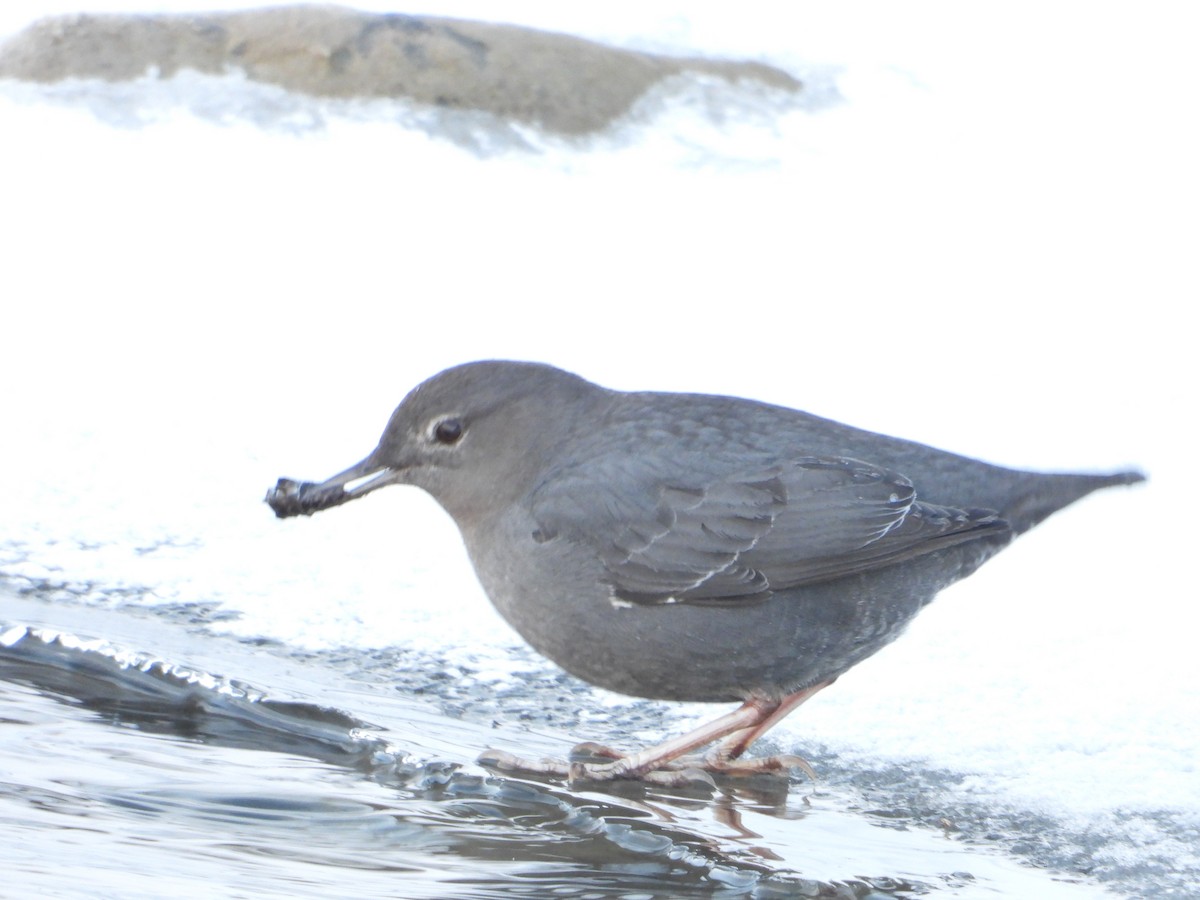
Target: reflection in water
point(213, 765)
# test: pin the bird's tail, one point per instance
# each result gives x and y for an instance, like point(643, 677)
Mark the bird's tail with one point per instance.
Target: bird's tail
point(1043, 494)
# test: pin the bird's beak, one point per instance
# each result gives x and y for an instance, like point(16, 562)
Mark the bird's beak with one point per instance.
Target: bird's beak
point(303, 498)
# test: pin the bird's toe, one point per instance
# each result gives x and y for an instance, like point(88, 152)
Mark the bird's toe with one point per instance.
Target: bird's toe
point(781, 764)
point(503, 761)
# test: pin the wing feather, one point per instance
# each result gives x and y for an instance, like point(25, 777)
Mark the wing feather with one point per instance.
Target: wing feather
point(741, 536)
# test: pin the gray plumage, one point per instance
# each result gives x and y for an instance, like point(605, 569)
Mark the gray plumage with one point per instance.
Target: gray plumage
point(691, 547)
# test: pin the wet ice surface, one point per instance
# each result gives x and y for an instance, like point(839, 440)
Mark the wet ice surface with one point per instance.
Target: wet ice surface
point(209, 285)
point(139, 775)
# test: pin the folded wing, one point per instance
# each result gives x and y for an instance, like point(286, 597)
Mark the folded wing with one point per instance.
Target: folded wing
point(740, 537)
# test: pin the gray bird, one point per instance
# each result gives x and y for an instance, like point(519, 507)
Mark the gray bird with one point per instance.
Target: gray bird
point(690, 547)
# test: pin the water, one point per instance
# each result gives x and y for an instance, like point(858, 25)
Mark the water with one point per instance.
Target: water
point(974, 235)
point(179, 777)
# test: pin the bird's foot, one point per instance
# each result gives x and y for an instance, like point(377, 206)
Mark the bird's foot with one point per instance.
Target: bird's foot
point(503, 761)
point(720, 764)
point(582, 769)
point(591, 763)
point(716, 761)
point(670, 764)
point(586, 753)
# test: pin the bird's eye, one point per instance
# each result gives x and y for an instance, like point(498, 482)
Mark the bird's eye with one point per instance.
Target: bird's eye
point(448, 431)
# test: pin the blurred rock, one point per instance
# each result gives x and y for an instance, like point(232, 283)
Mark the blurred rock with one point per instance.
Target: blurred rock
point(561, 83)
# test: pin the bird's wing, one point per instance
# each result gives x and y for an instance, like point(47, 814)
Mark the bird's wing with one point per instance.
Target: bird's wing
point(742, 536)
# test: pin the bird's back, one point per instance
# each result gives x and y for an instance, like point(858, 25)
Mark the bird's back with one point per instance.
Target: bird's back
point(731, 427)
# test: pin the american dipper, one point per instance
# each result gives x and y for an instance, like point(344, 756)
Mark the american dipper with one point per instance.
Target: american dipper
point(690, 547)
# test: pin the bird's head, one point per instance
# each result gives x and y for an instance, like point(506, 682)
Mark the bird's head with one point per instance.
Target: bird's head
point(475, 436)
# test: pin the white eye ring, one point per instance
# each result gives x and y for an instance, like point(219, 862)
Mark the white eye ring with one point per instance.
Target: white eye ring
point(446, 430)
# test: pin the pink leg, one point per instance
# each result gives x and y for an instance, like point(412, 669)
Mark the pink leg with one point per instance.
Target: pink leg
point(748, 716)
point(661, 764)
point(735, 744)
